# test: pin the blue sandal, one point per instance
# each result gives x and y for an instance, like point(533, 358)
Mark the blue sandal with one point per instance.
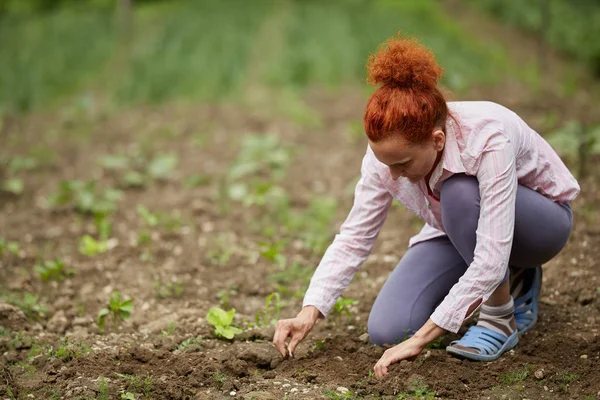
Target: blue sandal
point(529, 302)
point(491, 344)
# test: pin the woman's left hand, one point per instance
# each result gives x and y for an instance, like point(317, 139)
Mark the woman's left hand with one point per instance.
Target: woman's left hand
point(407, 350)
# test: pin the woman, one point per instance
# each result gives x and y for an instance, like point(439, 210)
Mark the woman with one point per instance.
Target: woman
point(492, 192)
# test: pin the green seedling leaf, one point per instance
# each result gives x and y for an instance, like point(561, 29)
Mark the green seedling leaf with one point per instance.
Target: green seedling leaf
point(22, 164)
point(135, 179)
point(14, 186)
point(221, 320)
point(149, 218)
point(113, 162)
point(162, 166)
point(88, 246)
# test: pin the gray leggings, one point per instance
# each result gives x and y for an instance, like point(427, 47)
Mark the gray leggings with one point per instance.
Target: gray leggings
point(429, 269)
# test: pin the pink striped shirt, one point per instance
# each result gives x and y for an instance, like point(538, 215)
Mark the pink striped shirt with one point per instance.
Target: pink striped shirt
point(488, 141)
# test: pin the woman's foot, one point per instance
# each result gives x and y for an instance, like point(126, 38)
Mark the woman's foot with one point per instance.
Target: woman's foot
point(525, 288)
point(495, 333)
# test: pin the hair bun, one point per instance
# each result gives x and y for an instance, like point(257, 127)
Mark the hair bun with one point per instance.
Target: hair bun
point(402, 62)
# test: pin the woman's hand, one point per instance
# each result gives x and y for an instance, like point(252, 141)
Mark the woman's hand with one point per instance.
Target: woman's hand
point(407, 350)
point(295, 328)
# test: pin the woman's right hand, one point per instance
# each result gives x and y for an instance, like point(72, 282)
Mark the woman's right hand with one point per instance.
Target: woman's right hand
point(295, 328)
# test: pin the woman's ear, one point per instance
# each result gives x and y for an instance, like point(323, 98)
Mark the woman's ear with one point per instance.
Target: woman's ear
point(439, 139)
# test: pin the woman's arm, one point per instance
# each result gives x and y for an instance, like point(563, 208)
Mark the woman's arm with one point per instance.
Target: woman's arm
point(354, 243)
point(496, 173)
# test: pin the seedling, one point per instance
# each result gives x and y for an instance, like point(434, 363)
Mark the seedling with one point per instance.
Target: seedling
point(127, 395)
point(88, 246)
point(196, 181)
point(170, 289)
point(221, 251)
point(13, 185)
point(222, 320)
point(30, 306)
point(68, 351)
point(514, 376)
point(418, 391)
point(342, 306)
point(138, 170)
point(170, 329)
point(138, 384)
point(9, 247)
point(219, 378)
point(86, 197)
point(53, 270)
point(270, 314)
point(223, 296)
point(189, 344)
point(103, 389)
point(117, 309)
point(272, 251)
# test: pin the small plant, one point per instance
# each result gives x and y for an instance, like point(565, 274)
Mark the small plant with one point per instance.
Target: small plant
point(342, 306)
point(417, 391)
point(88, 246)
point(139, 170)
point(103, 389)
point(272, 251)
point(13, 185)
point(189, 344)
point(127, 395)
point(515, 376)
point(170, 329)
point(30, 306)
point(219, 378)
point(68, 351)
point(221, 320)
point(221, 250)
point(270, 314)
point(170, 289)
point(138, 384)
point(9, 247)
point(223, 296)
point(319, 345)
point(86, 197)
point(117, 309)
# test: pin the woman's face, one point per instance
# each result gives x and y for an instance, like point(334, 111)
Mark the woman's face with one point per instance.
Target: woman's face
point(414, 162)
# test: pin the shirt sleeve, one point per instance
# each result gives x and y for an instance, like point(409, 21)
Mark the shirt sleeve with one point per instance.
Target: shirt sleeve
point(351, 247)
point(497, 178)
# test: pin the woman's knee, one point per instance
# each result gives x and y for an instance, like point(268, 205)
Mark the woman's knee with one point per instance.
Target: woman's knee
point(460, 204)
point(385, 329)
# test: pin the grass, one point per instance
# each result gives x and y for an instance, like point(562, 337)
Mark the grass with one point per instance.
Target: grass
point(514, 376)
point(188, 51)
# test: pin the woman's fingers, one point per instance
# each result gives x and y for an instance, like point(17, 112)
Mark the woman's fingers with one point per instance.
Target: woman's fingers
point(297, 337)
point(282, 331)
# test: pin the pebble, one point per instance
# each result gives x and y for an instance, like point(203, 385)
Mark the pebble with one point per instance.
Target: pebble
point(539, 374)
point(285, 385)
point(364, 338)
point(583, 356)
point(232, 393)
point(342, 390)
point(338, 358)
point(294, 390)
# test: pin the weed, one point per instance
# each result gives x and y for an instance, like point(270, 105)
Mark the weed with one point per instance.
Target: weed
point(9, 247)
point(222, 320)
point(196, 181)
point(170, 289)
point(170, 329)
point(342, 306)
point(88, 246)
point(437, 344)
point(127, 395)
point(138, 384)
point(221, 250)
point(417, 391)
point(189, 344)
point(514, 376)
point(117, 309)
point(319, 345)
point(223, 296)
point(86, 197)
point(565, 378)
point(66, 351)
point(330, 394)
point(13, 185)
point(273, 251)
point(53, 270)
point(219, 378)
point(29, 305)
point(139, 170)
point(103, 389)
point(270, 314)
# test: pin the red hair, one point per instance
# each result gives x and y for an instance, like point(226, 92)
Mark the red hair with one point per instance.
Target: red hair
point(408, 102)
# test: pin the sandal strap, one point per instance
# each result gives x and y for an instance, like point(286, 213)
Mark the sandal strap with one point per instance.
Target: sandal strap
point(485, 340)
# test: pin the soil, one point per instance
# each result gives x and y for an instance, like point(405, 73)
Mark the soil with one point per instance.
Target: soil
point(168, 343)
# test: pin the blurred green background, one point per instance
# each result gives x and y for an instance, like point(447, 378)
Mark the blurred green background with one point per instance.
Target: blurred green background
point(151, 51)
